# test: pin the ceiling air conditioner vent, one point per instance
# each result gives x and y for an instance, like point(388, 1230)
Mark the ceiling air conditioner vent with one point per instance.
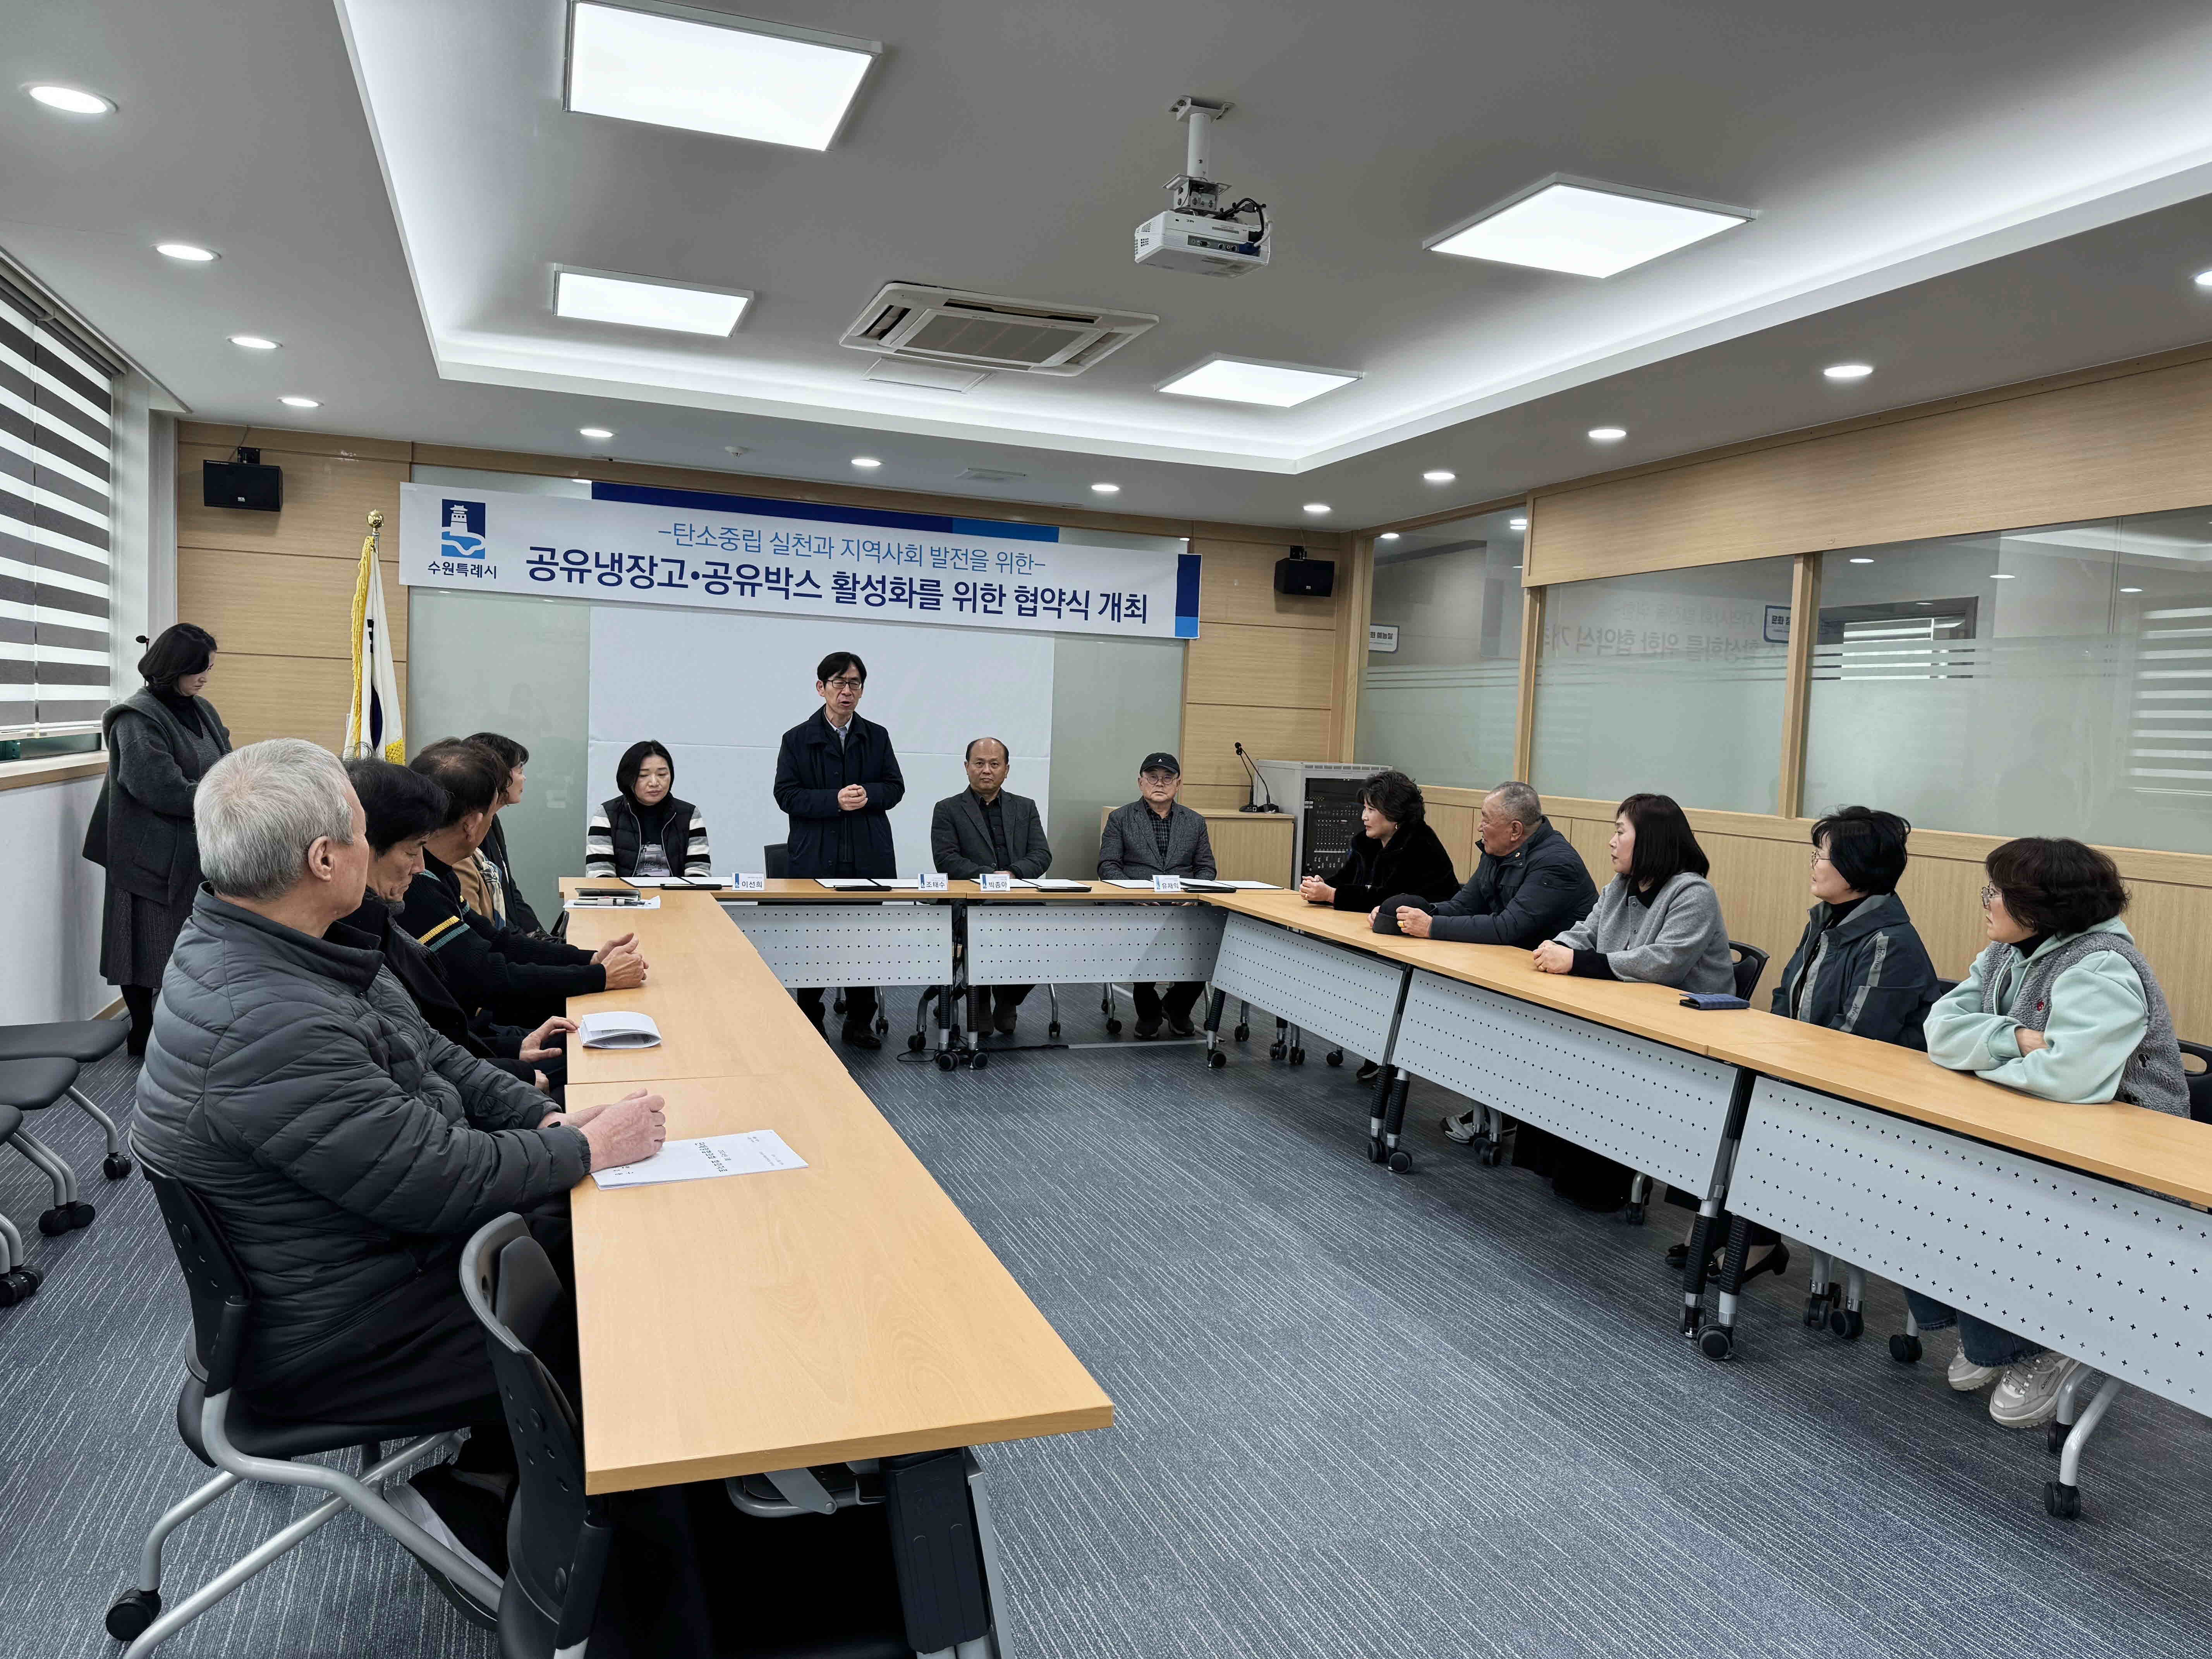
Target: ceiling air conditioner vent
point(977, 330)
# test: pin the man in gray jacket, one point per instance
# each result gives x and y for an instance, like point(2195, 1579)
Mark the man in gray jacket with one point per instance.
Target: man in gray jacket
point(1155, 834)
point(984, 830)
point(346, 1148)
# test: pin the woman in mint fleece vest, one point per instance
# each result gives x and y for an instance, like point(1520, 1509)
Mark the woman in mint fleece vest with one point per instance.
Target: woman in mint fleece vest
point(2061, 1005)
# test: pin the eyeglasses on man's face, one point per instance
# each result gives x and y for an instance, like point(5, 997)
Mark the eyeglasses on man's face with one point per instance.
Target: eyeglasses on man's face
point(845, 683)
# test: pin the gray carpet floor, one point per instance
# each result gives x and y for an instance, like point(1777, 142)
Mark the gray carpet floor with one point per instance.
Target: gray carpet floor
point(1359, 1415)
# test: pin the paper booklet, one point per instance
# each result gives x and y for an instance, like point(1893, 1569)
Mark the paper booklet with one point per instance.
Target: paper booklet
point(1145, 882)
point(755, 1152)
point(1059, 884)
point(613, 1028)
point(848, 883)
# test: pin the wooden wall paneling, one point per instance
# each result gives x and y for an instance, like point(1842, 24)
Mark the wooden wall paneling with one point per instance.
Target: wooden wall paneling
point(327, 501)
point(1797, 680)
point(1251, 845)
point(1261, 666)
point(1236, 584)
point(1208, 797)
point(1211, 731)
point(1356, 593)
point(285, 697)
point(1455, 827)
point(1524, 705)
point(275, 605)
point(273, 440)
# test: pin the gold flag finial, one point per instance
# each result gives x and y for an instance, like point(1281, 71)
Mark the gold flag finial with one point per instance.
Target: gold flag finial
point(376, 519)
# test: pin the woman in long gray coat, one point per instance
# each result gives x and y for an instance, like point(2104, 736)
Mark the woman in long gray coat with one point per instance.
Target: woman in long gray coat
point(161, 741)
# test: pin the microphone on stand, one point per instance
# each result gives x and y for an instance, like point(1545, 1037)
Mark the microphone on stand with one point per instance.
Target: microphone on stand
point(1268, 805)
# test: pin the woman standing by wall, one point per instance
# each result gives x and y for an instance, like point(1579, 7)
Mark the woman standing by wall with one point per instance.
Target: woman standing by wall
point(161, 741)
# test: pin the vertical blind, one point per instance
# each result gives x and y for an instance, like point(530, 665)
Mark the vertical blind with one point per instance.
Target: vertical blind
point(56, 523)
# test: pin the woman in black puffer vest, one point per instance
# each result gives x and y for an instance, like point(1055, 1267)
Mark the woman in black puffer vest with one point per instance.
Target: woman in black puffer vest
point(644, 830)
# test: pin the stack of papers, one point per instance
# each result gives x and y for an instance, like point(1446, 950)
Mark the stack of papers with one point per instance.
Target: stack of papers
point(615, 1028)
point(1057, 885)
point(755, 1152)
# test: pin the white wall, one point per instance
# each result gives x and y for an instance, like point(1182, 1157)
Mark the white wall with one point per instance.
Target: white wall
point(50, 909)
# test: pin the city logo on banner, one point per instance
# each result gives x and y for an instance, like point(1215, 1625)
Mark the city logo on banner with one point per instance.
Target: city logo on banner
point(463, 535)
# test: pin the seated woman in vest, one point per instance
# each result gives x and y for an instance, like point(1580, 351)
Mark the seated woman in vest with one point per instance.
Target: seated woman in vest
point(1398, 854)
point(2062, 1007)
point(644, 830)
point(1860, 967)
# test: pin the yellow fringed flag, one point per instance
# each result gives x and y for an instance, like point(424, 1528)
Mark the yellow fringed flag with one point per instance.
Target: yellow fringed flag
point(376, 729)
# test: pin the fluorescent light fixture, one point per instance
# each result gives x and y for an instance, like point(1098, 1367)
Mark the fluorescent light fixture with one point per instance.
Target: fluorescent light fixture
point(2204, 279)
point(1105, 490)
point(2132, 590)
point(1848, 371)
point(1861, 561)
point(2000, 575)
point(253, 342)
point(72, 101)
point(1388, 536)
point(191, 252)
point(705, 71)
point(593, 432)
point(300, 402)
point(1608, 434)
point(1316, 506)
point(601, 296)
point(1438, 476)
point(1240, 381)
point(1585, 228)
point(867, 462)
point(1516, 523)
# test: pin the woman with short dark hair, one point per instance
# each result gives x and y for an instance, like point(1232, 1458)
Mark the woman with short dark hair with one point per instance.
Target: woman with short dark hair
point(162, 739)
point(1396, 854)
point(1659, 919)
point(1859, 966)
point(494, 869)
point(2062, 1007)
point(643, 830)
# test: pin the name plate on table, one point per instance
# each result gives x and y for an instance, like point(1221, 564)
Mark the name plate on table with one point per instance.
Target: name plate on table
point(995, 881)
point(754, 883)
point(1167, 883)
point(935, 881)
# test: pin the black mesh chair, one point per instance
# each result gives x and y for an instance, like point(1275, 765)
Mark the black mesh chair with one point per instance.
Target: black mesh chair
point(2199, 1078)
point(240, 1444)
point(18, 1280)
point(1750, 964)
point(32, 1085)
point(87, 1042)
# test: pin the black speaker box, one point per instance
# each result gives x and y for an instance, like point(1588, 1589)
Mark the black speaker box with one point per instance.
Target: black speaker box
point(247, 486)
point(1309, 578)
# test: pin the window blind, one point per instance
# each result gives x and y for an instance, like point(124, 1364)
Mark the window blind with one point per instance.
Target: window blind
point(56, 523)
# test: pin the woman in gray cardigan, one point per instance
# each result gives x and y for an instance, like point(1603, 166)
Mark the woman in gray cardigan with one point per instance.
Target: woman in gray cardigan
point(1659, 919)
point(160, 740)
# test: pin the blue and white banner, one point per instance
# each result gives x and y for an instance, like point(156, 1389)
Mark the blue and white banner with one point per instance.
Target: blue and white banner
point(644, 546)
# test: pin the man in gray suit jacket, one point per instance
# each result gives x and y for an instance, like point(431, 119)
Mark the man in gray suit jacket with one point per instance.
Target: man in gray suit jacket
point(983, 830)
point(1156, 835)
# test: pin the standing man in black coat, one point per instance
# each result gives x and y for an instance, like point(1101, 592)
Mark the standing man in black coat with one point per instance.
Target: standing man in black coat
point(837, 780)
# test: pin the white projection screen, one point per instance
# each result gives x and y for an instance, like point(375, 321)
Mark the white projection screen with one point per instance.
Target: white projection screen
point(720, 690)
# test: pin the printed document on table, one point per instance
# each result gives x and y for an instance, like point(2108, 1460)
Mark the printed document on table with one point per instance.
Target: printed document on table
point(755, 1152)
point(1263, 886)
point(1145, 883)
point(848, 883)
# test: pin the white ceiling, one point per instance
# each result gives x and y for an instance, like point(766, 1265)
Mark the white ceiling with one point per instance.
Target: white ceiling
point(1962, 195)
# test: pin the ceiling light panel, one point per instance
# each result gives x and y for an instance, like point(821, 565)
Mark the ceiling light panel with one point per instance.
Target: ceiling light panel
point(1586, 229)
point(1276, 385)
point(596, 296)
point(737, 77)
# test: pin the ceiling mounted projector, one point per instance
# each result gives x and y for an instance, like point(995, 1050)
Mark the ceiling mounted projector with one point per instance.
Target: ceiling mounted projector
point(1199, 233)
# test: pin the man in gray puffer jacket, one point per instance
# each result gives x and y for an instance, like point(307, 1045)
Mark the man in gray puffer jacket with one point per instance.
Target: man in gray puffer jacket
point(348, 1150)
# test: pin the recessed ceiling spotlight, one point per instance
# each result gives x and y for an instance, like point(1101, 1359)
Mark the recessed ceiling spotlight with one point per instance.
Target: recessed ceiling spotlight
point(300, 402)
point(1516, 567)
point(1235, 380)
point(2000, 575)
point(735, 449)
point(1438, 476)
point(737, 77)
point(1316, 506)
point(1608, 434)
point(2132, 590)
point(1848, 371)
point(72, 101)
point(1105, 490)
point(1516, 523)
point(2204, 279)
point(593, 432)
point(596, 296)
point(253, 342)
point(866, 463)
point(1388, 536)
point(191, 252)
point(1861, 561)
point(1585, 229)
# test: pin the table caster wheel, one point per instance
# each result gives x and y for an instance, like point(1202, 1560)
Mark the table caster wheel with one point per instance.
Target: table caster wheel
point(1491, 1155)
point(55, 1222)
point(1905, 1350)
point(1298, 1056)
point(1634, 1217)
point(1677, 1257)
point(979, 1062)
point(914, 1043)
point(1715, 1343)
point(2064, 1503)
point(1401, 1161)
point(1113, 1028)
point(1276, 1050)
point(944, 1059)
point(1816, 1305)
point(1244, 1034)
point(1374, 1151)
point(81, 1215)
point(128, 1619)
point(1846, 1323)
point(2054, 1436)
point(1217, 1059)
point(115, 1166)
point(1334, 1057)
point(9, 1294)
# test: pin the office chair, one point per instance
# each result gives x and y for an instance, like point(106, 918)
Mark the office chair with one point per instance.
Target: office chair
point(32, 1085)
point(18, 1280)
point(2199, 1080)
point(87, 1042)
point(1750, 962)
point(240, 1444)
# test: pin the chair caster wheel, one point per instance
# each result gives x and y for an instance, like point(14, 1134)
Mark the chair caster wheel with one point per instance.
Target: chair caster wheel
point(1375, 1153)
point(944, 1059)
point(128, 1619)
point(115, 1166)
point(2054, 1436)
point(55, 1222)
point(1401, 1161)
point(9, 1294)
point(1216, 1059)
point(1816, 1307)
point(1846, 1323)
point(914, 1042)
point(979, 1062)
point(1905, 1350)
point(1715, 1343)
point(1334, 1057)
point(1113, 1028)
point(81, 1215)
point(1298, 1056)
point(1276, 1050)
point(23, 1282)
point(1491, 1155)
point(2064, 1503)
point(1634, 1217)
point(1244, 1034)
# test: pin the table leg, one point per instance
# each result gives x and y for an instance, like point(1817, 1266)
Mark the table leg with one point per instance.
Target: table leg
point(1214, 1057)
point(1708, 1211)
point(936, 1553)
point(1394, 1122)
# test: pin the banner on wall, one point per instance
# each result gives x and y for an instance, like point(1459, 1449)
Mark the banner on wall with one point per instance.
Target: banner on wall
point(633, 545)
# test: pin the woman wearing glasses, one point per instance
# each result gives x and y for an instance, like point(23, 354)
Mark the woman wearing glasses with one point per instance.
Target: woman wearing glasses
point(2061, 1006)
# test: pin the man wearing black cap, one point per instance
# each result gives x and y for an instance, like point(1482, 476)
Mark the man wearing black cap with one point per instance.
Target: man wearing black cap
point(1153, 835)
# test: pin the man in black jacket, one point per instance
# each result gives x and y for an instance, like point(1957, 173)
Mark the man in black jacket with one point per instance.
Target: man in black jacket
point(519, 978)
point(987, 829)
point(493, 851)
point(837, 780)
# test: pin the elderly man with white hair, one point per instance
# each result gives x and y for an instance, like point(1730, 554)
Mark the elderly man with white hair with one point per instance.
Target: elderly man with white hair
point(347, 1148)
